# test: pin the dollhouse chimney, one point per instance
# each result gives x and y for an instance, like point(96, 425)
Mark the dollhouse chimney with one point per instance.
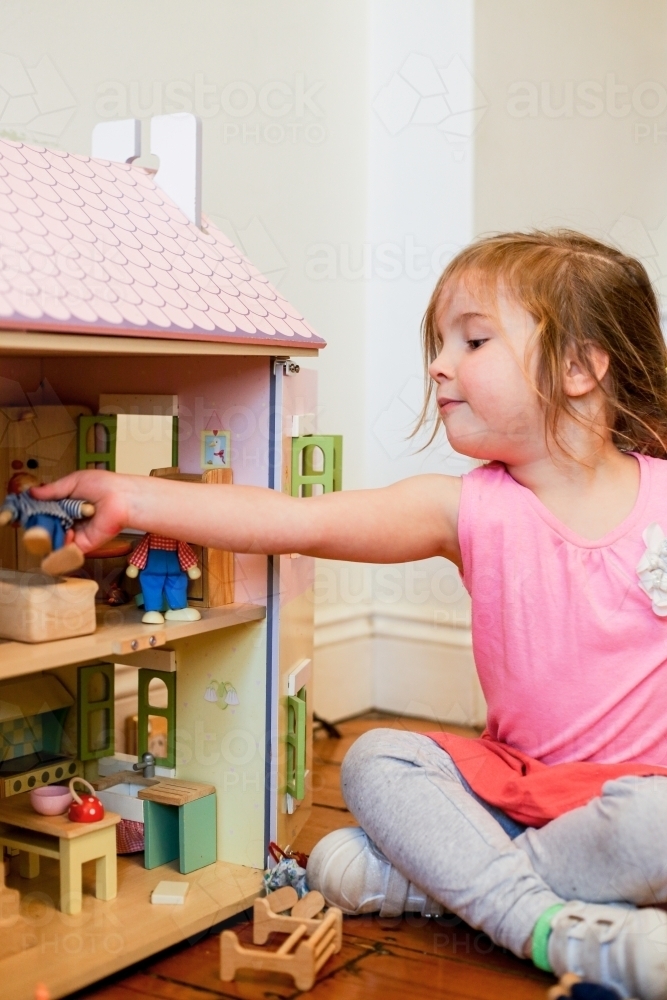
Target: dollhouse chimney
point(176, 140)
point(119, 141)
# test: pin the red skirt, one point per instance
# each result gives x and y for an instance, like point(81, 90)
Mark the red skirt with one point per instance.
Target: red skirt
point(529, 791)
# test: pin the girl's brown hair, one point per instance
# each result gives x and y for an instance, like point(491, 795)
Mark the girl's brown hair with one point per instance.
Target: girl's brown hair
point(580, 292)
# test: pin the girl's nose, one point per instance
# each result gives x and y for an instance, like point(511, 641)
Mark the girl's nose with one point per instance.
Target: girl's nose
point(442, 368)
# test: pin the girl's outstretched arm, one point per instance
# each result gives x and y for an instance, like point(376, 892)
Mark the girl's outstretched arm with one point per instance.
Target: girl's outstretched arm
point(412, 519)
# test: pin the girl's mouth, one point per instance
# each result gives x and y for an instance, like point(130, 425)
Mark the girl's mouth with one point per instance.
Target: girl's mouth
point(449, 405)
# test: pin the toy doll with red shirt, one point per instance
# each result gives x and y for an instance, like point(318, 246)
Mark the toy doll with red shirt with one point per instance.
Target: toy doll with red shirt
point(164, 567)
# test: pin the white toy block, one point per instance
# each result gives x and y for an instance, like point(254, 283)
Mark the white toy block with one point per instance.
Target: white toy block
point(173, 893)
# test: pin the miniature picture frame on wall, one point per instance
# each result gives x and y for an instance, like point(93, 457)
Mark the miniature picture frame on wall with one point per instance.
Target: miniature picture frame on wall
point(216, 449)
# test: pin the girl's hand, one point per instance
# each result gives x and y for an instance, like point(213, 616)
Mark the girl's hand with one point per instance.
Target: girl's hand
point(108, 491)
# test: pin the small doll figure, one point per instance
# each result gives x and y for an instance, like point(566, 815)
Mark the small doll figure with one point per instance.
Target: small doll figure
point(46, 524)
point(164, 566)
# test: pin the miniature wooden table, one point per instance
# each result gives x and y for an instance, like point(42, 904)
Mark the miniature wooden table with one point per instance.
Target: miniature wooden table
point(70, 843)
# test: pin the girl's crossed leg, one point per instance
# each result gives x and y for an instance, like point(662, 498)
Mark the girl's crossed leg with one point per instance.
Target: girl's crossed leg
point(432, 833)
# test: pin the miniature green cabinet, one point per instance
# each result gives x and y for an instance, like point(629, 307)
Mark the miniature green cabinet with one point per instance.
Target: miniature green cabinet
point(187, 833)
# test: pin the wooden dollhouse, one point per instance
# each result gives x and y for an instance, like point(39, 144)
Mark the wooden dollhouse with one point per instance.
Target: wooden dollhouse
point(113, 284)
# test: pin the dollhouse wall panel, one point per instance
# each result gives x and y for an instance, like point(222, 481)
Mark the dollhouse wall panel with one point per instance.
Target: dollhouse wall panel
point(296, 615)
point(222, 744)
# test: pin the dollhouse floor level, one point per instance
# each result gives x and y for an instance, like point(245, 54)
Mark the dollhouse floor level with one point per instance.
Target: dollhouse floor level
point(120, 632)
point(67, 953)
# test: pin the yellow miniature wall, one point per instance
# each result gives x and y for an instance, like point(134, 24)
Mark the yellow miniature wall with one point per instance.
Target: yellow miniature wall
point(225, 746)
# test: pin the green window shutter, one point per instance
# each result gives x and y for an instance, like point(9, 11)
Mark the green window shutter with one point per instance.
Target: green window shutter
point(296, 745)
point(85, 457)
point(95, 711)
point(304, 476)
point(168, 713)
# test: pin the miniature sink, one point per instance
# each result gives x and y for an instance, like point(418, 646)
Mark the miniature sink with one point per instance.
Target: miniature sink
point(122, 799)
point(125, 788)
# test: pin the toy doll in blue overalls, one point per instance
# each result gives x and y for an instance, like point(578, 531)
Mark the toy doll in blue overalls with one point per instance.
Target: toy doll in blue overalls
point(164, 567)
point(45, 524)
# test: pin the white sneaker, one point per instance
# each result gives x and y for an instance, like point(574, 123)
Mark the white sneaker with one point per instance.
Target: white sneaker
point(351, 873)
point(624, 948)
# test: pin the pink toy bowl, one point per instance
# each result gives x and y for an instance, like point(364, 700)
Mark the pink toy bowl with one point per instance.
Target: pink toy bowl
point(51, 800)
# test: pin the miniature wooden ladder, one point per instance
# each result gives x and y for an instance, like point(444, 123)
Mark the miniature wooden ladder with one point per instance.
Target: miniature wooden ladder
point(301, 959)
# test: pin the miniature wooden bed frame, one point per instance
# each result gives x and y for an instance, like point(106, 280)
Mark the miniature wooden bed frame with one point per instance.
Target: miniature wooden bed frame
point(312, 939)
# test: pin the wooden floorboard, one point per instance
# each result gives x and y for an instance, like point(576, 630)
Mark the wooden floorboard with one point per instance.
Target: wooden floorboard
point(381, 959)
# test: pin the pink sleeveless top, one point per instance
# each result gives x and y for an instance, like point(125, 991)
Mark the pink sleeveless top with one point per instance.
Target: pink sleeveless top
point(571, 657)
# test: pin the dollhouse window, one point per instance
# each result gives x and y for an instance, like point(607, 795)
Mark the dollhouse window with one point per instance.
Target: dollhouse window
point(157, 716)
point(95, 705)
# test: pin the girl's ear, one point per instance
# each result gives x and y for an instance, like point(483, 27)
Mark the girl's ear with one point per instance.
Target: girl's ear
point(580, 379)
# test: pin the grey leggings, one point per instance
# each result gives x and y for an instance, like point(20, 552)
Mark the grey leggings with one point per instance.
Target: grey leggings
point(411, 800)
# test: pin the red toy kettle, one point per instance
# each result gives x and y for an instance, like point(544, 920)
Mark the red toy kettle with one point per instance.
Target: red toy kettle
point(85, 808)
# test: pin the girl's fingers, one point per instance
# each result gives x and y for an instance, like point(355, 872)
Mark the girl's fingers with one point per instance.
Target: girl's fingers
point(65, 487)
point(89, 537)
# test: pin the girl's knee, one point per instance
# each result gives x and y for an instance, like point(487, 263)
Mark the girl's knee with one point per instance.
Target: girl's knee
point(364, 753)
point(637, 808)
point(369, 760)
point(359, 766)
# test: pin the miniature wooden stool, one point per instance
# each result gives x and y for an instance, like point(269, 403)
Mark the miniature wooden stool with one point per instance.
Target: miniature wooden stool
point(71, 843)
point(301, 959)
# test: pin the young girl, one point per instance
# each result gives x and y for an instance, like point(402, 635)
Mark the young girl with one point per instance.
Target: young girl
point(547, 363)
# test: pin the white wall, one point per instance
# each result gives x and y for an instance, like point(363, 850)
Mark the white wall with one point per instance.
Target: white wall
point(576, 132)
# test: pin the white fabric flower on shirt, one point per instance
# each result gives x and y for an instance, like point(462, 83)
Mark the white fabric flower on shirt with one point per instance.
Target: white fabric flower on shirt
point(652, 568)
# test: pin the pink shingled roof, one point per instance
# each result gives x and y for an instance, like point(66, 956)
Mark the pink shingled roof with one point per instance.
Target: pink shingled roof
point(90, 246)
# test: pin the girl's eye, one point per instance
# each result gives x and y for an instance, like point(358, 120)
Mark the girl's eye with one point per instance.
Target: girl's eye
point(474, 344)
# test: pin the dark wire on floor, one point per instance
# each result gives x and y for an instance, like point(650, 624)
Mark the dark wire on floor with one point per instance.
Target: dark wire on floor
point(329, 728)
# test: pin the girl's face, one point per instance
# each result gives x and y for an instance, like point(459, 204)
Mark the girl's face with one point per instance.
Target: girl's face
point(484, 393)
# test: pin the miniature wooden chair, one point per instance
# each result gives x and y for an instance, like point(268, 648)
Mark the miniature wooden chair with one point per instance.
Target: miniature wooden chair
point(301, 959)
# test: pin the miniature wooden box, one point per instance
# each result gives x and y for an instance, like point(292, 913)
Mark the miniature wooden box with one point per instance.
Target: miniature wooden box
point(35, 607)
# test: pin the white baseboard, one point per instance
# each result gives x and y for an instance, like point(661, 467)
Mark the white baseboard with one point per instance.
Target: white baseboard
point(398, 660)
